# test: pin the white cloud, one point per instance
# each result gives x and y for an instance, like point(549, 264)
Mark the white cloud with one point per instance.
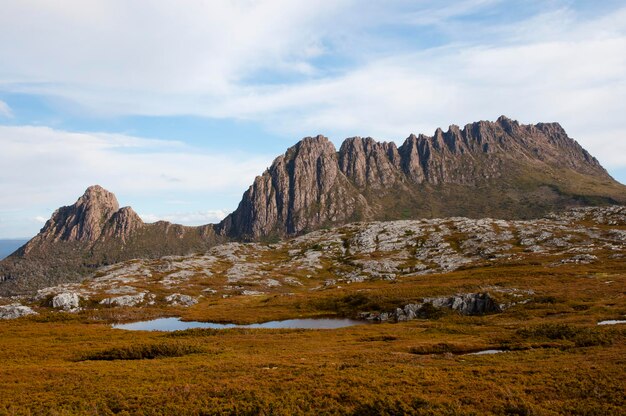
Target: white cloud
point(574, 74)
point(157, 45)
point(40, 219)
point(41, 165)
point(5, 110)
point(157, 58)
point(188, 218)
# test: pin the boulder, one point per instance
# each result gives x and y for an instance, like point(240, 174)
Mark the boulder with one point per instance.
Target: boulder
point(465, 304)
point(126, 300)
point(15, 311)
point(68, 301)
point(177, 299)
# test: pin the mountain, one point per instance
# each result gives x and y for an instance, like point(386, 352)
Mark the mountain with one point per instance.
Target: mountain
point(496, 169)
point(93, 232)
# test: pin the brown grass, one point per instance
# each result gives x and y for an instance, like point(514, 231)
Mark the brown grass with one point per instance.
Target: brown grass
point(559, 361)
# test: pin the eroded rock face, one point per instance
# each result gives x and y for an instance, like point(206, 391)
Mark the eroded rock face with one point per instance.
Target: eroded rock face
point(370, 163)
point(496, 169)
point(122, 224)
point(15, 311)
point(83, 221)
point(93, 232)
point(302, 190)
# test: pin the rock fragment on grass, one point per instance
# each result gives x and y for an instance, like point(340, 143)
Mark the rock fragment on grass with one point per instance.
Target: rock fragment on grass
point(15, 311)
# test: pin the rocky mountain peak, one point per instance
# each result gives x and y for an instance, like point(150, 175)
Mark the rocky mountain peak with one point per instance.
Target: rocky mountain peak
point(303, 189)
point(84, 220)
point(122, 224)
point(368, 162)
point(456, 172)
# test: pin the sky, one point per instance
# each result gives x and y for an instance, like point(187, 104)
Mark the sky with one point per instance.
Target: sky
point(177, 106)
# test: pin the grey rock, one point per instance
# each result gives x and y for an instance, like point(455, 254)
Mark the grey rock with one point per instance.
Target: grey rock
point(177, 299)
point(465, 304)
point(122, 290)
point(125, 300)
point(580, 259)
point(15, 311)
point(252, 293)
point(68, 301)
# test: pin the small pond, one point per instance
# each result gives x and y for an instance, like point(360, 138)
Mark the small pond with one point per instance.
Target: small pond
point(485, 352)
point(612, 322)
point(175, 324)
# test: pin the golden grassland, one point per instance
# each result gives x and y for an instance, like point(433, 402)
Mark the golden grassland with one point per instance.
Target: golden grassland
point(558, 361)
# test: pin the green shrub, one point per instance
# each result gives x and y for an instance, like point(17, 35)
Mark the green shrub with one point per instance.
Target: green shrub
point(143, 352)
point(580, 336)
point(388, 407)
point(195, 332)
point(441, 348)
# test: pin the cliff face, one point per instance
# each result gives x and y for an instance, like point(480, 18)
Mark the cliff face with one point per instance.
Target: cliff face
point(303, 189)
point(497, 168)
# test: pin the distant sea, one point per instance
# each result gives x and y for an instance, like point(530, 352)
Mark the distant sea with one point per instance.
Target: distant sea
point(9, 246)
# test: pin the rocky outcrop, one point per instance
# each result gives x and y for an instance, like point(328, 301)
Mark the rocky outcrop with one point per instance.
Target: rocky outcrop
point(15, 311)
point(122, 224)
point(177, 299)
point(67, 301)
point(83, 221)
point(125, 300)
point(465, 304)
point(338, 260)
point(369, 163)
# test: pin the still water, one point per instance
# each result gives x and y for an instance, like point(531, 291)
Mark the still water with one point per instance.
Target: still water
point(175, 324)
point(612, 322)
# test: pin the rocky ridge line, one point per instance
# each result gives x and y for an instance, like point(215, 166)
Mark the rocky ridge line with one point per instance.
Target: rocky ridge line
point(506, 170)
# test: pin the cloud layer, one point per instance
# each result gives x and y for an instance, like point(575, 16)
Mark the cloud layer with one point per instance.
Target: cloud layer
point(189, 218)
point(44, 168)
point(299, 68)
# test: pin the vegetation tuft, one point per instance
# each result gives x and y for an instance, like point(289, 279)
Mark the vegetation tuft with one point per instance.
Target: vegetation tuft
point(580, 336)
point(143, 352)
